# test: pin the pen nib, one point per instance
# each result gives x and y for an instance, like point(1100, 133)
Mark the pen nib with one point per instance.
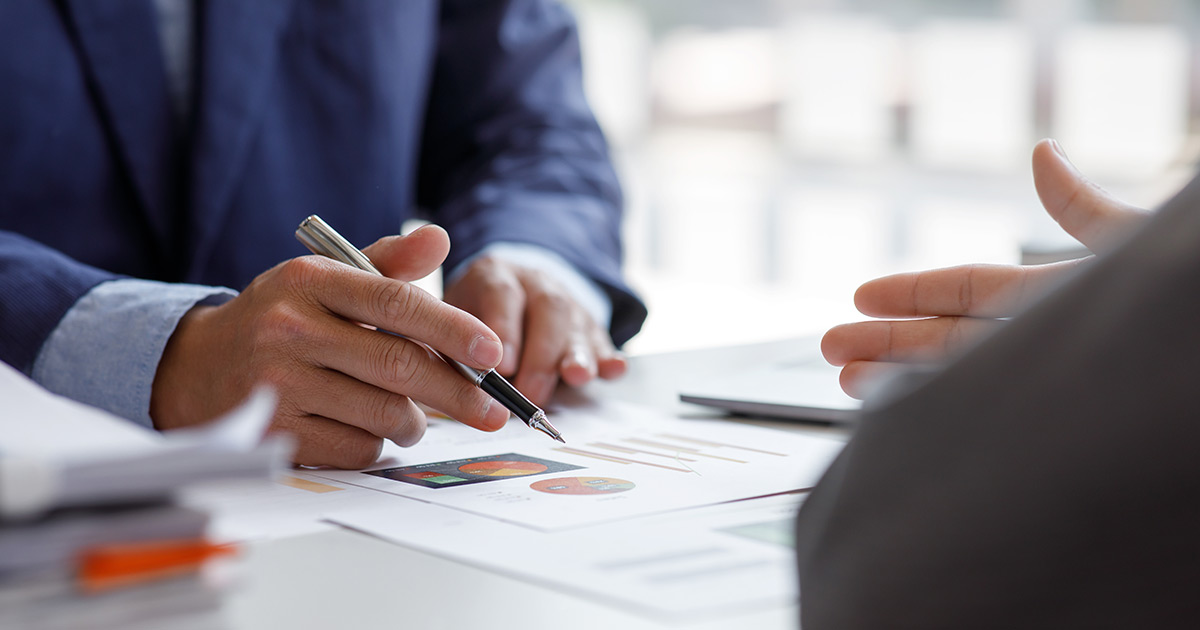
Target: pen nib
point(539, 422)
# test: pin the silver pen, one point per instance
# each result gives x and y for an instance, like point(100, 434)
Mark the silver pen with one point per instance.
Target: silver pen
point(325, 241)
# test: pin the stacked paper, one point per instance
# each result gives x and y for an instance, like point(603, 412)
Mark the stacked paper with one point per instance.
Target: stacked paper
point(88, 500)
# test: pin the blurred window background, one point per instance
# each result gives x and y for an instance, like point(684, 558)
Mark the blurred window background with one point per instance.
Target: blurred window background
point(777, 153)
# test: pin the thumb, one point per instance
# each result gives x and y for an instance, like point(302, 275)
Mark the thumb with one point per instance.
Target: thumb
point(412, 256)
point(1086, 211)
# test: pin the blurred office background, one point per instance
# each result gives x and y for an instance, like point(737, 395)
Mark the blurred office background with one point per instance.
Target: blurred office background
point(777, 153)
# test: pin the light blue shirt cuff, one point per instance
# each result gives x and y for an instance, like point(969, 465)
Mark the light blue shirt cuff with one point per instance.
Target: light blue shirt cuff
point(584, 290)
point(105, 351)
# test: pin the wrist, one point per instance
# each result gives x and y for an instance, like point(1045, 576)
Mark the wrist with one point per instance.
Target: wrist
point(174, 399)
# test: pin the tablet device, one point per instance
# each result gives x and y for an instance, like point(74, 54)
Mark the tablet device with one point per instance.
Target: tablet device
point(802, 388)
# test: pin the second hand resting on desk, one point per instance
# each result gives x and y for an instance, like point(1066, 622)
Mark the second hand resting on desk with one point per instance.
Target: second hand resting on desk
point(323, 240)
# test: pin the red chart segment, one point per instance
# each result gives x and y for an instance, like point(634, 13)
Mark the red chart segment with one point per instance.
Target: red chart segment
point(503, 468)
point(583, 485)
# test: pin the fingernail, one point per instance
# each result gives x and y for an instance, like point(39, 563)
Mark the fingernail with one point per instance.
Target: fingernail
point(1062, 153)
point(1058, 149)
point(485, 351)
point(584, 360)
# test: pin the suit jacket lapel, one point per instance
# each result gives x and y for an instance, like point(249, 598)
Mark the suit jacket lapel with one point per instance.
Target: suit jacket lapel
point(239, 44)
point(120, 46)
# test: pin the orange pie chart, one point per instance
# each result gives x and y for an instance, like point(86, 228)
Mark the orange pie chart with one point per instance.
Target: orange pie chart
point(582, 485)
point(502, 468)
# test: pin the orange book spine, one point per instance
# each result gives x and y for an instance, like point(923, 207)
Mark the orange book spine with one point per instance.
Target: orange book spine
point(114, 566)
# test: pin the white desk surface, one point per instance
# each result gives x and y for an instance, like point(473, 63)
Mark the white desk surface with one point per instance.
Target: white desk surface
point(343, 579)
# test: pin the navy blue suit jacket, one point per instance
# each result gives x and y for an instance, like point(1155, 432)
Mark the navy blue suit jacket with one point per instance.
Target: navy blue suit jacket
point(359, 110)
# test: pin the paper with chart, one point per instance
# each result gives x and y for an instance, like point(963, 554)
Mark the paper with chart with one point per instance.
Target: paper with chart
point(721, 558)
point(292, 503)
point(620, 461)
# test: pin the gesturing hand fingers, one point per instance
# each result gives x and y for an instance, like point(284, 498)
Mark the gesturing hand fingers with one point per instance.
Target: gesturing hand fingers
point(1083, 209)
point(952, 301)
point(965, 291)
point(857, 377)
point(901, 341)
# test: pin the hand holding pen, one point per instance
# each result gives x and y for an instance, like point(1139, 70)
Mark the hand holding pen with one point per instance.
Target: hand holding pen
point(322, 239)
point(343, 388)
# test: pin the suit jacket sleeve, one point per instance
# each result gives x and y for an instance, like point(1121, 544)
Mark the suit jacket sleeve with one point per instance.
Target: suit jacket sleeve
point(511, 151)
point(37, 287)
point(1049, 478)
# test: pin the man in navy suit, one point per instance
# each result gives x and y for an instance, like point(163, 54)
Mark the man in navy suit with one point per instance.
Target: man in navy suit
point(157, 155)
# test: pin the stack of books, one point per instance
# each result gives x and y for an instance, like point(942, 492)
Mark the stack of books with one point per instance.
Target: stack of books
point(91, 531)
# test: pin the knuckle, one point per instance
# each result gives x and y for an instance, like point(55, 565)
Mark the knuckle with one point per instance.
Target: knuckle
point(301, 271)
point(278, 376)
point(281, 331)
point(398, 363)
point(393, 417)
point(396, 301)
point(491, 264)
point(482, 265)
point(916, 296)
point(282, 322)
point(553, 301)
point(966, 291)
point(503, 283)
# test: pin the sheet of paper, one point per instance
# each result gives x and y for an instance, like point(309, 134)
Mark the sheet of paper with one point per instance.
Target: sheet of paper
point(292, 504)
point(37, 423)
point(620, 461)
point(55, 452)
point(703, 561)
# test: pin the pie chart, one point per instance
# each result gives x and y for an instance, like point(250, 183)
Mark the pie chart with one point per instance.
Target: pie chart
point(502, 468)
point(582, 485)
